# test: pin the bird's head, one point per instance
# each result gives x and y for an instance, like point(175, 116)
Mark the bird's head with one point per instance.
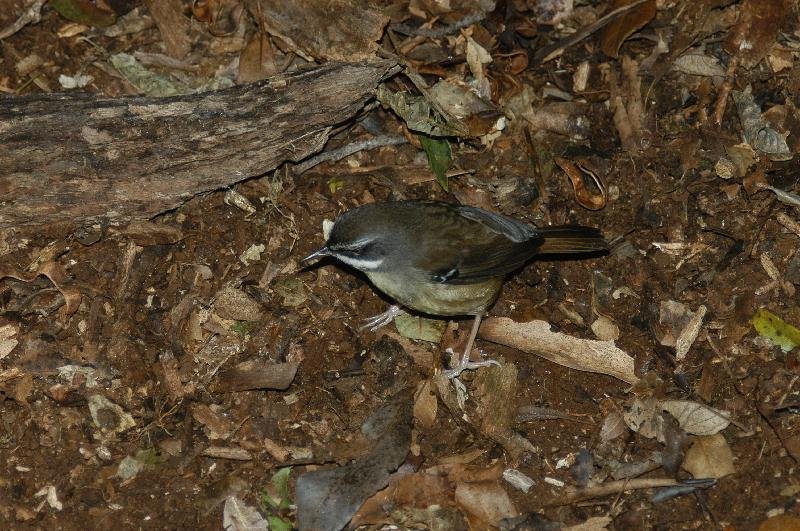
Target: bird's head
point(362, 238)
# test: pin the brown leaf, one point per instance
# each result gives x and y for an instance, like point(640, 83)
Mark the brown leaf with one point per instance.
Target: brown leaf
point(709, 457)
point(613, 426)
point(620, 29)
point(425, 405)
point(757, 29)
point(486, 501)
point(19, 388)
point(218, 426)
point(56, 274)
point(257, 59)
point(782, 522)
point(308, 29)
point(173, 26)
point(407, 490)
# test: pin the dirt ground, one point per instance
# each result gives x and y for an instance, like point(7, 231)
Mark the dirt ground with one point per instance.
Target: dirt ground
point(130, 413)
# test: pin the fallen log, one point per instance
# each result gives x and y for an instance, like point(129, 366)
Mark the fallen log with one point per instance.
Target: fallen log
point(79, 159)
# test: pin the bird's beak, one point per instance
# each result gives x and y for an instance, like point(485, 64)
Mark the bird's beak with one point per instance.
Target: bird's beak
point(317, 254)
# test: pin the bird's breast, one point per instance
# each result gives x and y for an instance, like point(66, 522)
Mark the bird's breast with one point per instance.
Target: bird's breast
point(418, 292)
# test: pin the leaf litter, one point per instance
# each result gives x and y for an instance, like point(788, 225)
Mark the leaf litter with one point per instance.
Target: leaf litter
point(197, 348)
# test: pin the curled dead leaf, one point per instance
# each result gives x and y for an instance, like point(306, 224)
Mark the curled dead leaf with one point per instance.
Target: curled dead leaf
point(536, 337)
point(623, 27)
point(585, 198)
point(56, 274)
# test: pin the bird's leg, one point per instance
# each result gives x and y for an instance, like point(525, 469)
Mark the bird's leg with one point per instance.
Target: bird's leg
point(465, 364)
point(377, 321)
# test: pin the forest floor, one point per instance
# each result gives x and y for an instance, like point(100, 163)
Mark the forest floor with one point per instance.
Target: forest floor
point(204, 368)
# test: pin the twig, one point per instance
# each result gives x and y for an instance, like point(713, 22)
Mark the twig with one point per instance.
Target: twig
point(554, 50)
point(31, 15)
point(572, 494)
point(349, 149)
point(789, 223)
point(725, 90)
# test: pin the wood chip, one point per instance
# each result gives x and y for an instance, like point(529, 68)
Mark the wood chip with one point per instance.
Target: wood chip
point(789, 223)
point(226, 452)
point(689, 334)
point(274, 449)
point(257, 374)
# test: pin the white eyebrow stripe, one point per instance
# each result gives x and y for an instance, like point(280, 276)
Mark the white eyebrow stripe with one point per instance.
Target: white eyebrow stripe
point(360, 263)
point(353, 245)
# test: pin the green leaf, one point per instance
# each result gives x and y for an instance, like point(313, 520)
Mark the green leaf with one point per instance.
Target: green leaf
point(242, 328)
point(280, 482)
point(769, 325)
point(276, 496)
point(147, 81)
point(439, 156)
point(279, 524)
point(85, 12)
point(334, 185)
point(415, 327)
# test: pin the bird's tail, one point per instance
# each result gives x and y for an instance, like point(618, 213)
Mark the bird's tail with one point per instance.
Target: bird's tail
point(571, 239)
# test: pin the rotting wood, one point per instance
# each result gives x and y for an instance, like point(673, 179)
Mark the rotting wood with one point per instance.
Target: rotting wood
point(256, 374)
point(77, 158)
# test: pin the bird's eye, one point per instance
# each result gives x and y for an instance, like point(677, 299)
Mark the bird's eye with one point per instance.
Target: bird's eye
point(361, 249)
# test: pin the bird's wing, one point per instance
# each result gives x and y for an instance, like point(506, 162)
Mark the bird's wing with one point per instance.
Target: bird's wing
point(475, 245)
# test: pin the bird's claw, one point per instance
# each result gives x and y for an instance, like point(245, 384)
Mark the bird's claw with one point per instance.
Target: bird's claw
point(455, 372)
point(377, 321)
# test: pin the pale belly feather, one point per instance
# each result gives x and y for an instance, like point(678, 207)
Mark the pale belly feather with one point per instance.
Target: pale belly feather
point(435, 298)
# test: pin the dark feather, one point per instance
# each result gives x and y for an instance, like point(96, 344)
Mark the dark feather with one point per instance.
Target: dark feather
point(497, 245)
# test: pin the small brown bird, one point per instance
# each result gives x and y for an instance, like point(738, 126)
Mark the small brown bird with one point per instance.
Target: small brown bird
point(444, 259)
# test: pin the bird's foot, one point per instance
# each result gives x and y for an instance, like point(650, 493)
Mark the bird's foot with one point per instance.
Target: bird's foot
point(455, 372)
point(377, 321)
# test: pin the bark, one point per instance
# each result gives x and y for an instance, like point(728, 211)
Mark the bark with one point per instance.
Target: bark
point(78, 158)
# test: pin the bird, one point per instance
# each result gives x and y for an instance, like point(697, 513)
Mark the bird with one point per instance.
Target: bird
point(444, 259)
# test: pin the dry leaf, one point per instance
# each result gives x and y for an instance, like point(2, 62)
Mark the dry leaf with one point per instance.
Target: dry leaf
point(309, 29)
point(699, 64)
point(328, 498)
point(235, 304)
point(644, 417)
point(757, 29)
point(697, 418)
point(218, 426)
point(425, 404)
point(709, 457)
point(257, 59)
point(485, 500)
point(536, 337)
point(613, 426)
point(51, 497)
point(605, 329)
point(689, 334)
point(238, 516)
point(7, 340)
point(620, 29)
point(173, 26)
point(781, 522)
point(56, 274)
